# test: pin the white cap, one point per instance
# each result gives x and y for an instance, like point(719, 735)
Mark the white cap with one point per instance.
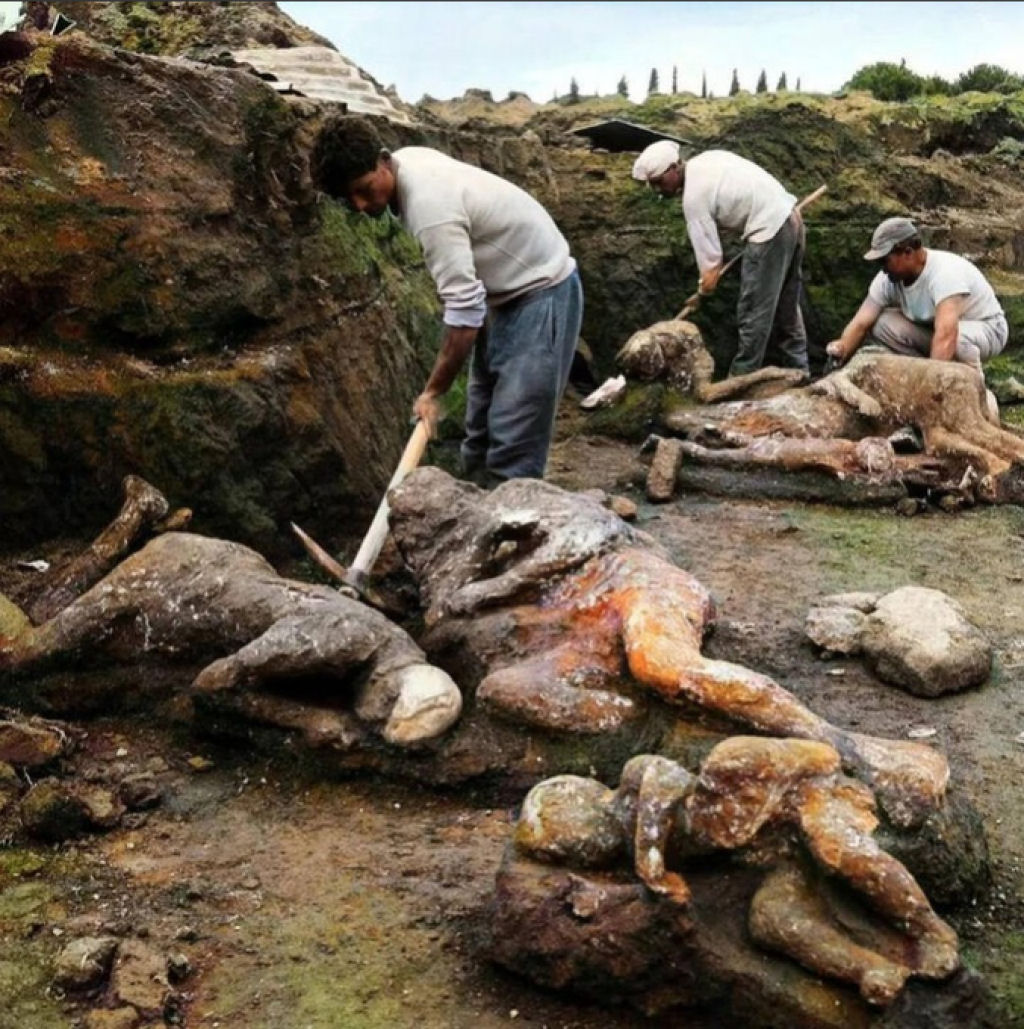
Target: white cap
point(656, 160)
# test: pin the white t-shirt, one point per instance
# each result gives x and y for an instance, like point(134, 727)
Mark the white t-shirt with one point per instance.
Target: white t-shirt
point(485, 240)
point(723, 189)
point(944, 275)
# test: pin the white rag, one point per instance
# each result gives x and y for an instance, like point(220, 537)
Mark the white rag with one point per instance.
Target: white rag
point(655, 160)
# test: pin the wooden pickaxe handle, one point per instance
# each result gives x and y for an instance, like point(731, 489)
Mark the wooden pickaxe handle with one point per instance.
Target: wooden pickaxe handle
point(693, 301)
point(369, 550)
point(355, 579)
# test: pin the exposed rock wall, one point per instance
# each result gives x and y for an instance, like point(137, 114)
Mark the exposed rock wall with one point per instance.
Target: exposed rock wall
point(173, 301)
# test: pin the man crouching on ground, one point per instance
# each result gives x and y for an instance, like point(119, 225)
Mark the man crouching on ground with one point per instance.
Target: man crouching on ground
point(924, 303)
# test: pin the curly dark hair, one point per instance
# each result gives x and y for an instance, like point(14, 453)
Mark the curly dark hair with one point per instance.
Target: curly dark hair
point(346, 149)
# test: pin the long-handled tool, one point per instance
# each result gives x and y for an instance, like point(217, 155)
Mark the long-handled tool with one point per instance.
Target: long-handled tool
point(693, 302)
point(356, 577)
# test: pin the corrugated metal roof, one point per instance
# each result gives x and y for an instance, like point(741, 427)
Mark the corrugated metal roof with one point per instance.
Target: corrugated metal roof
point(320, 74)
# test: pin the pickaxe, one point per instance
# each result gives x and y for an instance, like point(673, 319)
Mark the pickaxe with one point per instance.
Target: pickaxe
point(356, 579)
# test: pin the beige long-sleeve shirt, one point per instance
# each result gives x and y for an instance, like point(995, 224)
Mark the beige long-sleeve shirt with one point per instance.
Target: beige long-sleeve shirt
point(722, 189)
point(485, 240)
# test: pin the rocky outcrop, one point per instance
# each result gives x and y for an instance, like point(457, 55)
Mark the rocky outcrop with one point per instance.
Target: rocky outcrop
point(176, 302)
point(192, 28)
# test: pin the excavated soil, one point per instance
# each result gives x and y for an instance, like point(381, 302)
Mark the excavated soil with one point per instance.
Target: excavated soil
point(300, 901)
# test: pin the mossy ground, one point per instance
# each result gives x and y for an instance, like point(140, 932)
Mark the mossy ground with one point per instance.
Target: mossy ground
point(38, 888)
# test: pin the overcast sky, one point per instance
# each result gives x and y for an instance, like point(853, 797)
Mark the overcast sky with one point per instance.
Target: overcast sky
point(442, 49)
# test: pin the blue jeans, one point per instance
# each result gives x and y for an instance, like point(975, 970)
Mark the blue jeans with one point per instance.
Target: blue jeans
point(517, 374)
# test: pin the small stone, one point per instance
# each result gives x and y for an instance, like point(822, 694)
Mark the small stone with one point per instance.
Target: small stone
point(29, 746)
point(200, 764)
point(140, 978)
point(950, 502)
point(428, 704)
point(157, 765)
point(178, 968)
point(121, 752)
point(187, 934)
point(140, 791)
point(85, 962)
point(625, 508)
point(836, 629)
point(103, 809)
point(608, 393)
point(51, 812)
point(250, 883)
point(907, 507)
point(664, 471)
point(921, 732)
point(921, 639)
point(119, 1018)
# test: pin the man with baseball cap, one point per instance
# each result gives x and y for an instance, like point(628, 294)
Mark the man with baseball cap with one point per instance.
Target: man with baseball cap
point(723, 190)
point(924, 303)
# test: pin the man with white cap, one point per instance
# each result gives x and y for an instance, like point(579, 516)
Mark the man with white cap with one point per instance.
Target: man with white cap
point(722, 189)
point(924, 303)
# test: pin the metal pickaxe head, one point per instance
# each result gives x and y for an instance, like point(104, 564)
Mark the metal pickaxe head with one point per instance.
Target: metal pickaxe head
point(355, 583)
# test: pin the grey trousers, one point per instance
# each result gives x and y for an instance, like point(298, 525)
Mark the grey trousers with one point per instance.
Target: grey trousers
point(977, 342)
point(769, 304)
point(517, 374)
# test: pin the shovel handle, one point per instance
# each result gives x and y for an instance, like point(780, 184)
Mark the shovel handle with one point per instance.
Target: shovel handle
point(693, 302)
point(370, 548)
point(811, 197)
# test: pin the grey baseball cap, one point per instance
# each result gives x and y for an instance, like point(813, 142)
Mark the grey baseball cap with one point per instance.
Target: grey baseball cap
point(891, 232)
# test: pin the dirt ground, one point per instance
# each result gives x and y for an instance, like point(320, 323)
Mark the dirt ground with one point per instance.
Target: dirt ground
point(304, 902)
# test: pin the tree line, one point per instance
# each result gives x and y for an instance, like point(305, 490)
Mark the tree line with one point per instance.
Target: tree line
point(654, 85)
point(887, 81)
point(883, 79)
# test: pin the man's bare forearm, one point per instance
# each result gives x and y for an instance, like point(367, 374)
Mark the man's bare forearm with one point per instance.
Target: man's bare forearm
point(943, 346)
point(456, 345)
point(946, 333)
